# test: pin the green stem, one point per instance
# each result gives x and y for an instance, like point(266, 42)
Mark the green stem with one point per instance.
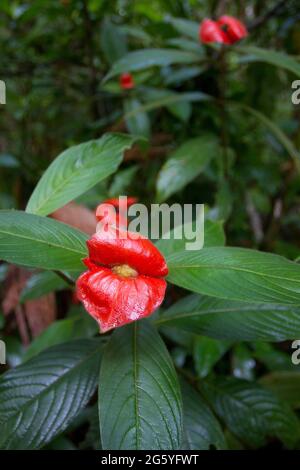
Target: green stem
point(223, 113)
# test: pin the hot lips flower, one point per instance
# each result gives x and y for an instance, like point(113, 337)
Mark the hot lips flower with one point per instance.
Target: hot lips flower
point(124, 278)
point(227, 30)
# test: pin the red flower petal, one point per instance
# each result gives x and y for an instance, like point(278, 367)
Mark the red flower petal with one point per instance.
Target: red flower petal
point(113, 300)
point(126, 81)
point(210, 31)
point(107, 248)
point(114, 201)
point(235, 29)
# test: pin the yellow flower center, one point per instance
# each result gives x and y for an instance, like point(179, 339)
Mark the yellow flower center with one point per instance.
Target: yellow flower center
point(124, 270)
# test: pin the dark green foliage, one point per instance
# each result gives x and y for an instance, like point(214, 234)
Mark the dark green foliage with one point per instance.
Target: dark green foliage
point(212, 368)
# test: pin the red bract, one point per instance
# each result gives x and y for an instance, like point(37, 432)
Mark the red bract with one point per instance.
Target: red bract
point(227, 30)
point(210, 31)
point(117, 246)
point(119, 203)
point(113, 211)
point(234, 29)
point(124, 281)
point(126, 81)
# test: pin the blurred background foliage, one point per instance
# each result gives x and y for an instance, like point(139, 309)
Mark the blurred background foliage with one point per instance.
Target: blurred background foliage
point(55, 56)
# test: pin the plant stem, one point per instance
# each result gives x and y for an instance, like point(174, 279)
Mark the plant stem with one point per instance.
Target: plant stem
point(223, 112)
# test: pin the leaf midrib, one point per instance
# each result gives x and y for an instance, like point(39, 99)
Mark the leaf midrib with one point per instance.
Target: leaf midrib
point(232, 268)
point(135, 378)
point(199, 313)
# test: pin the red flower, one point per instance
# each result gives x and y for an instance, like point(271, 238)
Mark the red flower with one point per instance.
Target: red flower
point(234, 29)
point(227, 30)
point(119, 203)
point(124, 278)
point(126, 81)
point(210, 31)
point(113, 211)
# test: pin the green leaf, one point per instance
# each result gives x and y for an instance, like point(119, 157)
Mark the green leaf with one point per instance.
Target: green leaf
point(186, 27)
point(185, 164)
point(169, 100)
point(142, 59)
point(213, 236)
point(41, 284)
point(279, 59)
point(225, 319)
point(183, 74)
point(61, 331)
point(285, 384)
point(180, 109)
point(139, 395)
point(271, 357)
point(39, 399)
point(182, 338)
point(185, 44)
point(76, 170)
point(138, 124)
point(136, 33)
point(237, 274)
point(202, 430)
point(113, 41)
point(39, 242)
point(251, 412)
point(207, 352)
point(276, 131)
point(122, 180)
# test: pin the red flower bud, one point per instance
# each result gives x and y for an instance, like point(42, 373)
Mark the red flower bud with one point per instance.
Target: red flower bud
point(227, 30)
point(126, 81)
point(234, 29)
point(210, 31)
point(123, 283)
